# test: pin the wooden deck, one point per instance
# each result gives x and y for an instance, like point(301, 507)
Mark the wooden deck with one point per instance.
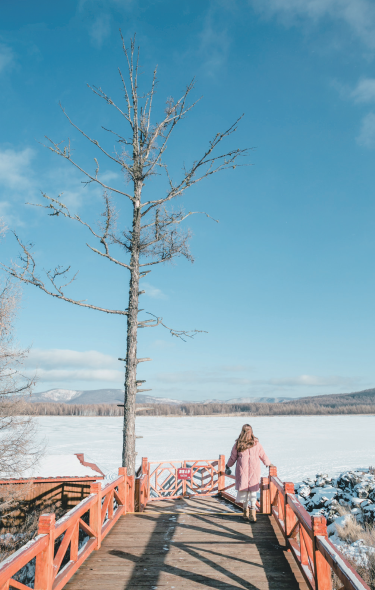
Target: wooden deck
point(189, 544)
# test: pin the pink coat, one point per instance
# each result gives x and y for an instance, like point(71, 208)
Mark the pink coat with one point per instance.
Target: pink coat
point(248, 466)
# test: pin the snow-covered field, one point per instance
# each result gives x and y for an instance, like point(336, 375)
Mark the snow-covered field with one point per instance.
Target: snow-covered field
point(300, 446)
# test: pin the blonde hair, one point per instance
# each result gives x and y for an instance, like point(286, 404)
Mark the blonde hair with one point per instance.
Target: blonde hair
point(246, 440)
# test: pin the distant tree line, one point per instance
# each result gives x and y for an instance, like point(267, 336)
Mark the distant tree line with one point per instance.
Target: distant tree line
point(186, 409)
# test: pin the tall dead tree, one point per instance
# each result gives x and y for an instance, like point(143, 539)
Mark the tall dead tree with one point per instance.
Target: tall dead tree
point(155, 235)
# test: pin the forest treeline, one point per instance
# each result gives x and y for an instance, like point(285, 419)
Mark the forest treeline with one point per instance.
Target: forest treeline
point(192, 409)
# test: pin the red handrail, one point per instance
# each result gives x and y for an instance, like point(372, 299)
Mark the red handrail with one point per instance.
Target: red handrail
point(306, 537)
point(104, 506)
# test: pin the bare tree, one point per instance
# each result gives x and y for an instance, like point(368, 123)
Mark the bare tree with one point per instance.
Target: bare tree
point(156, 235)
point(18, 450)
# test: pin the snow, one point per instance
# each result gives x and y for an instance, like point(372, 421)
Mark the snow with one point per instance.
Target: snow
point(300, 446)
point(60, 394)
point(54, 465)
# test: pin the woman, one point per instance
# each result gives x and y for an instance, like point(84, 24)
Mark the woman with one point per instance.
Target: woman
point(247, 451)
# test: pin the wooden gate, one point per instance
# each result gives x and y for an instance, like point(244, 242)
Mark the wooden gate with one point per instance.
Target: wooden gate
point(176, 479)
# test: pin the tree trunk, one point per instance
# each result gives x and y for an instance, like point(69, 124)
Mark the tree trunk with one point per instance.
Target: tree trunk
point(128, 452)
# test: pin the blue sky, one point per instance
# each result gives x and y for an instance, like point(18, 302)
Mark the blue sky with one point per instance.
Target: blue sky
point(284, 284)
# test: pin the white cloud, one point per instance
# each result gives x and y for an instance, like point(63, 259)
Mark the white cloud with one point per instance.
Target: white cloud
point(359, 15)
point(364, 91)
point(201, 377)
point(67, 376)
point(18, 178)
point(62, 358)
point(366, 137)
point(100, 30)
point(15, 171)
point(213, 46)
point(153, 292)
point(6, 57)
point(64, 366)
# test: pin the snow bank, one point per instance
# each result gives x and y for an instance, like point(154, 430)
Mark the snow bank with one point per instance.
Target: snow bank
point(354, 489)
point(60, 466)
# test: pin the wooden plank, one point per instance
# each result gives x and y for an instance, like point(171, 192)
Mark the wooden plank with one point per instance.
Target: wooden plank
point(184, 549)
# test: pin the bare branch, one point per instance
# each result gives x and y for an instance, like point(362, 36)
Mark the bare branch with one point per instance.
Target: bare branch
point(182, 334)
point(27, 274)
point(65, 153)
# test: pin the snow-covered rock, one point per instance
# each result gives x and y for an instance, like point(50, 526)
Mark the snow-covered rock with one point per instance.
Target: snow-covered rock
point(354, 490)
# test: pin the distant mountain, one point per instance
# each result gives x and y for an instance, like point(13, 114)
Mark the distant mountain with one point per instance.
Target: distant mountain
point(365, 397)
point(260, 400)
point(95, 396)
point(116, 396)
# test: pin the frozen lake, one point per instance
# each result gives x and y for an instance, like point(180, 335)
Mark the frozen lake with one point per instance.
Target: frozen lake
point(298, 445)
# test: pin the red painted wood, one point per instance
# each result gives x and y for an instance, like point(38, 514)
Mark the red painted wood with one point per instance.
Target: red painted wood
point(74, 543)
point(290, 517)
point(221, 469)
point(96, 512)
point(122, 486)
point(15, 562)
point(62, 549)
point(265, 504)
point(322, 569)
point(130, 493)
point(18, 585)
point(44, 559)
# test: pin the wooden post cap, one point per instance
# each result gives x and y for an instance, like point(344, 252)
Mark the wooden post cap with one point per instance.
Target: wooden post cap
point(95, 488)
point(46, 523)
point(122, 471)
point(273, 471)
point(319, 525)
point(288, 487)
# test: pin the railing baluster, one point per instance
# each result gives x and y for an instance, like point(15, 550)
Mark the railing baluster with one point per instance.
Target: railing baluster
point(74, 543)
point(289, 516)
point(122, 486)
point(265, 504)
point(303, 546)
point(110, 506)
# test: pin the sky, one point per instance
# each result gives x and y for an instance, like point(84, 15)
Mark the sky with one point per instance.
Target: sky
point(283, 286)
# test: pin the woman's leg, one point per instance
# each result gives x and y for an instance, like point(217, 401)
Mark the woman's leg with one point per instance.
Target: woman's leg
point(243, 496)
point(253, 500)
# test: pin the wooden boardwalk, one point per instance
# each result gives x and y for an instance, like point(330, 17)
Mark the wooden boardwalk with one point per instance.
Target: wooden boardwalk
point(189, 544)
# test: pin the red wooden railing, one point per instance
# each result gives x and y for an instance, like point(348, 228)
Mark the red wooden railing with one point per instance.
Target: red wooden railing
point(58, 555)
point(306, 537)
point(158, 480)
point(56, 548)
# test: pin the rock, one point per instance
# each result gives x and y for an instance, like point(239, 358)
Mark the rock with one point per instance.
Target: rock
point(304, 491)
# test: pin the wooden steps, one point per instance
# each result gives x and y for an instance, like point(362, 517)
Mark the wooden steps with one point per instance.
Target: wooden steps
point(190, 544)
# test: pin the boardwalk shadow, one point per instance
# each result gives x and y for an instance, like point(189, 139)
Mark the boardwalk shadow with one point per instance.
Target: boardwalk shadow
point(219, 552)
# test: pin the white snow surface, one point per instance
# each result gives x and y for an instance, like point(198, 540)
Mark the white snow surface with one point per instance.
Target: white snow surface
point(60, 466)
point(300, 446)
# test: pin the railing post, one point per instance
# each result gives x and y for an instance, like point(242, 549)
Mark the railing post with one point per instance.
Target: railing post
point(122, 487)
point(96, 513)
point(290, 517)
point(44, 560)
point(144, 465)
point(265, 504)
point(131, 493)
point(137, 494)
point(221, 470)
point(322, 568)
point(273, 489)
